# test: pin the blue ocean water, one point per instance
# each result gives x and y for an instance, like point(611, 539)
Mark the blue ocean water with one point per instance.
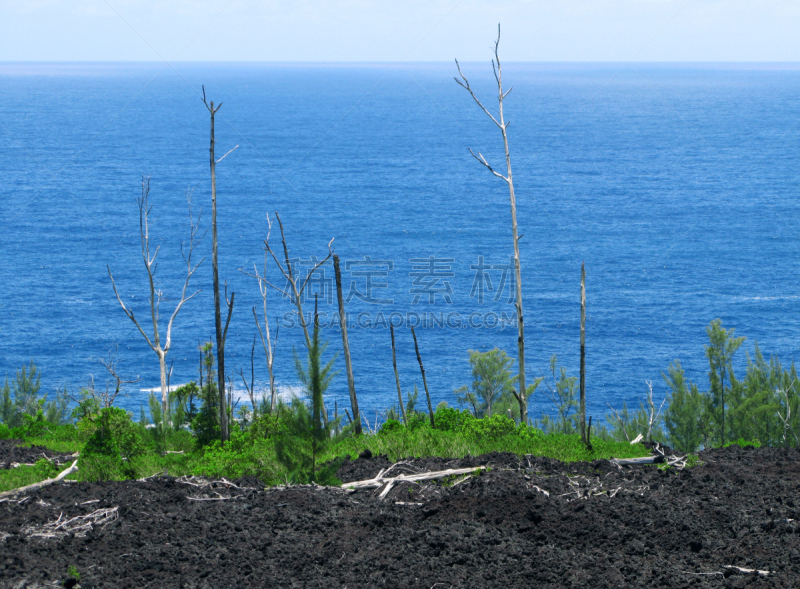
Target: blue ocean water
point(677, 185)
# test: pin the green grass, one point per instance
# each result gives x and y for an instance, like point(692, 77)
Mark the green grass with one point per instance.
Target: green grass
point(425, 442)
point(244, 456)
point(14, 478)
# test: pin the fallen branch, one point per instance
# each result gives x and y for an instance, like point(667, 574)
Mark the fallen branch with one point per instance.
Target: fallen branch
point(379, 481)
point(220, 498)
point(745, 571)
point(41, 484)
point(634, 461)
point(545, 493)
point(79, 526)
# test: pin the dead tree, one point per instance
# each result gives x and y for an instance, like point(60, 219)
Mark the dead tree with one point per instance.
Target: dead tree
point(652, 415)
point(424, 380)
point(397, 377)
point(345, 343)
point(268, 344)
point(221, 334)
point(502, 124)
point(106, 398)
point(584, 436)
point(787, 420)
point(295, 284)
point(156, 296)
point(250, 388)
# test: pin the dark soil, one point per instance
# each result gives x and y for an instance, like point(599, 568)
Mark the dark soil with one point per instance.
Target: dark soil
point(600, 526)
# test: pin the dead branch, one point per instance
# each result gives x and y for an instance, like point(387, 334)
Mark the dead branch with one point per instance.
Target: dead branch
point(380, 480)
point(746, 571)
point(653, 415)
point(621, 423)
point(78, 526)
point(41, 484)
point(787, 425)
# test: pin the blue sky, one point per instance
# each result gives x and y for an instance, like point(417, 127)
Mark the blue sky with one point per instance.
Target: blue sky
point(410, 30)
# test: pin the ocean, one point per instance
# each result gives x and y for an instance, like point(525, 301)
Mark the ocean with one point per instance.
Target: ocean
point(676, 184)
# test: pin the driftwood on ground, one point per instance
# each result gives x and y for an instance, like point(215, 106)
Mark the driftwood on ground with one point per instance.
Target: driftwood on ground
point(41, 484)
point(380, 480)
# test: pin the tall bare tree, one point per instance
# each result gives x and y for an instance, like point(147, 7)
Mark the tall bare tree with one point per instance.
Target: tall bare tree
point(156, 295)
point(584, 436)
point(502, 124)
point(221, 333)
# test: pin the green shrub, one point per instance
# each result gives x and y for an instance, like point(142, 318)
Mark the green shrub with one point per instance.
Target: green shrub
point(112, 444)
point(528, 434)
point(488, 428)
point(390, 425)
point(450, 419)
point(743, 443)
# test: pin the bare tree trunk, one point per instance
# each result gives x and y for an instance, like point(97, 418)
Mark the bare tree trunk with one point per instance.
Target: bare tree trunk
point(584, 437)
point(503, 126)
point(250, 388)
point(397, 378)
point(343, 324)
point(162, 362)
point(269, 349)
point(424, 380)
point(223, 414)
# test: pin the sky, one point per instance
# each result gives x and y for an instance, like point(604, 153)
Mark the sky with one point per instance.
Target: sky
point(407, 30)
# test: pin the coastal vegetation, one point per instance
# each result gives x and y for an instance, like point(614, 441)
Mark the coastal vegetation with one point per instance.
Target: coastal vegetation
point(291, 442)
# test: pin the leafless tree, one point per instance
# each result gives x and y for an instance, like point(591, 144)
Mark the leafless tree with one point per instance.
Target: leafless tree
point(582, 417)
point(268, 344)
point(424, 380)
point(502, 124)
point(397, 377)
point(346, 345)
point(652, 414)
point(250, 388)
point(221, 334)
point(295, 284)
point(105, 398)
point(787, 420)
point(156, 295)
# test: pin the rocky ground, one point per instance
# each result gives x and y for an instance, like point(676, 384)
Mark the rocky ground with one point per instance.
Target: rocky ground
point(12, 455)
point(526, 522)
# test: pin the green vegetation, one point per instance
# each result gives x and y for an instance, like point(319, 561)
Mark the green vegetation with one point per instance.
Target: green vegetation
point(296, 442)
point(763, 408)
point(72, 572)
point(21, 476)
point(492, 390)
